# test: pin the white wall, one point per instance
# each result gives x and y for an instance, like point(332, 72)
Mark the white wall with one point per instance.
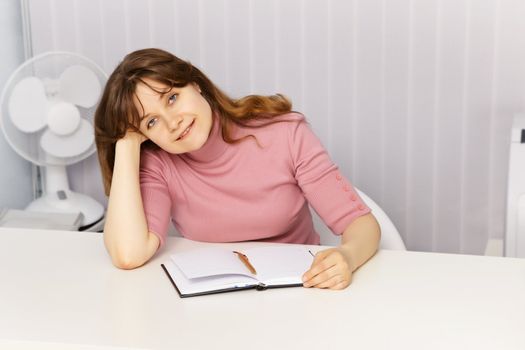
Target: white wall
point(413, 99)
point(16, 186)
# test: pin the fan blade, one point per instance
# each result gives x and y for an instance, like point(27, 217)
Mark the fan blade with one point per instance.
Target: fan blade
point(63, 118)
point(28, 105)
point(71, 145)
point(80, 86)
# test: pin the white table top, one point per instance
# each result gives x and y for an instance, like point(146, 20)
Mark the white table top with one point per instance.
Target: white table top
point(58, 290)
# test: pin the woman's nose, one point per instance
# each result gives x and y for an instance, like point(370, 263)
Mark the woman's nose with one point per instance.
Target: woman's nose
point(174, 122)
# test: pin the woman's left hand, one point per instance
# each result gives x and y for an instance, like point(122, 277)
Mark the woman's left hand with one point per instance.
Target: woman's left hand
point(332, 269)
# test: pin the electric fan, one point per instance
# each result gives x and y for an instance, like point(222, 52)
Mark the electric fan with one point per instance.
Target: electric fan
point(48, 106)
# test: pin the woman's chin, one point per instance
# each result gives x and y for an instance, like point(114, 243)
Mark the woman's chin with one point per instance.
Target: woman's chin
point(185, 146)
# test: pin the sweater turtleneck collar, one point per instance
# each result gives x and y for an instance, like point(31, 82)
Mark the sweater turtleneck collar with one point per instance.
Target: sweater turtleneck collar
point(213, 148)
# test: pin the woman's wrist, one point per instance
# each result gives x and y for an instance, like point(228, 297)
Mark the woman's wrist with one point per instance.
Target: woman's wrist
point(132, 142)
point(127, 149)
point(347, 253)
point(132, 137)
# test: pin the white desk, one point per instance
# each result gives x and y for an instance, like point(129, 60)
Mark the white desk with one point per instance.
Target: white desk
point(58, 290)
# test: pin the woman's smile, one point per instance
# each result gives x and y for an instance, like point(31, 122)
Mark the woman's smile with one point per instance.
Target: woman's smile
point(185, 132)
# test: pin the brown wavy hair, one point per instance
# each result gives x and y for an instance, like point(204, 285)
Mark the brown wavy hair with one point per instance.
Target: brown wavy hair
point(116, 112)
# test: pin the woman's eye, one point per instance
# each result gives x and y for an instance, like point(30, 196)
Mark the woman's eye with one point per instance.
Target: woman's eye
point(172, 98)
point(151, 123)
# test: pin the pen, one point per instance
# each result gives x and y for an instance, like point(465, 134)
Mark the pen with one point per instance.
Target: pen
point(312, 254)
point(246, 262)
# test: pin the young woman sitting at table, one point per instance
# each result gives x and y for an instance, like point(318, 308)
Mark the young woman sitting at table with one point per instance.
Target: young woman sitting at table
point(173, 146)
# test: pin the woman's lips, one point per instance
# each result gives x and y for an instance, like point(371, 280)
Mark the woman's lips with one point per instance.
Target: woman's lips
point(186, 131)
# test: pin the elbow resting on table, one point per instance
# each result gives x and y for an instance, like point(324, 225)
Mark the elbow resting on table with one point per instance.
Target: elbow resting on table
point(126, 263)
point(126, 258)
point(130, 253)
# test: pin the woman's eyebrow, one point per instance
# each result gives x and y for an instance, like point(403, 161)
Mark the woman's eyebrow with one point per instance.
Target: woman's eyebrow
point(144, 116)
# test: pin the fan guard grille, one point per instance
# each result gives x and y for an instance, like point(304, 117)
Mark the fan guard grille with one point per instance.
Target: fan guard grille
point(47, 66)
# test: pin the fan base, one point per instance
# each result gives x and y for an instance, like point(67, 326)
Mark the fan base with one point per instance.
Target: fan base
point(67, 201)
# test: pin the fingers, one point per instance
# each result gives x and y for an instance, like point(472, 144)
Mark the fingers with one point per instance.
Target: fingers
point(325, 279)
point(135, 135)
point(329, 270)
point(319, 264)
point(319, 256)
point(341, 285)
point(335, 283)
point(330, 279)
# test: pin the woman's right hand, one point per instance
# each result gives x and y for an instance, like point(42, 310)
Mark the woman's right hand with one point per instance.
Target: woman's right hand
point(134, 136)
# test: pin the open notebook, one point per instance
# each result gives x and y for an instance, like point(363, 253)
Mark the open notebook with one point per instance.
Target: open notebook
point(217, 270)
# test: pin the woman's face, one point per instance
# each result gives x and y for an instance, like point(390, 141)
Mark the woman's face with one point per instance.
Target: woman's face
point(179, 121)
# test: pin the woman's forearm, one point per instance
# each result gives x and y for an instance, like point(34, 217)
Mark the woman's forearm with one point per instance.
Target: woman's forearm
point(360, 240)
point(126, 233)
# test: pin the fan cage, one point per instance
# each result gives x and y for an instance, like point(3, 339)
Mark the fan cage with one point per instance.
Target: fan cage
point(45, 66)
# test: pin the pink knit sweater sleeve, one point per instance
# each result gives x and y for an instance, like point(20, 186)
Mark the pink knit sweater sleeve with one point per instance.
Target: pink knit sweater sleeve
point(155, 193)
point(330, 194)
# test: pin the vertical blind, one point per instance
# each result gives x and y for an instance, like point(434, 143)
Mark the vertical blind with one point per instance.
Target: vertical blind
point(414, 99)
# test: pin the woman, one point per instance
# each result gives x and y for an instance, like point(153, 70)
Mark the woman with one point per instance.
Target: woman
point(172, 145)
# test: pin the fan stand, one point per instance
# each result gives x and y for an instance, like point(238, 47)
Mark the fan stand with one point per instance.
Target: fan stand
point(59, 198)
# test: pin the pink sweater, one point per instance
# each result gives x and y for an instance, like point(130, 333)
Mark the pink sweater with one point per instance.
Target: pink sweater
point(243, 192)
